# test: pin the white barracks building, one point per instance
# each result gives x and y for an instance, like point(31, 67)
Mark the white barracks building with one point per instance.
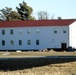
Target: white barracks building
point(37, 34)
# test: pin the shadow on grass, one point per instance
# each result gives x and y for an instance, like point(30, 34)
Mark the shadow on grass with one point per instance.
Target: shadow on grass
point(27, 63)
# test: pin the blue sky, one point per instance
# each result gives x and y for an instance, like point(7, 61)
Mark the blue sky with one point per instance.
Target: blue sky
point(63, 8)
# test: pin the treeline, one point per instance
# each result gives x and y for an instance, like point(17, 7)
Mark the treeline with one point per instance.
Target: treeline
point(23, 12)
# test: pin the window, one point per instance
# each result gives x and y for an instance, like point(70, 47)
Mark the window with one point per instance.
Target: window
point(3, 42)
point(20, 31)
point(64, 31)
point(11, 31)
point(3, 32)
point(37, 31)
point(28, 31)
point(55, 31)
point(29, 42)
point(20, 42)
point(37, 42)
point(11, 42)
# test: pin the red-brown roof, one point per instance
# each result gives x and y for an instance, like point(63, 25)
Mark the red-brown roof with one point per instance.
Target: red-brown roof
point(35, 23)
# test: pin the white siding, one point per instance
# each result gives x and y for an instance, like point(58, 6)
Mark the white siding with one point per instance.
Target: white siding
point(72, 35)
point(46, 36)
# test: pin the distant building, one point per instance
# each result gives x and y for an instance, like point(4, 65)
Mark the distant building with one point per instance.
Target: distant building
point(37, 34)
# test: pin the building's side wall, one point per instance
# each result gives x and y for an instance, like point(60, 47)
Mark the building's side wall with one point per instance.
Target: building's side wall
point(46, 36)
point(72, 35)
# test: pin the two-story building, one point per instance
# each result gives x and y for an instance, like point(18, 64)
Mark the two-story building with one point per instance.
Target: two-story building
point(37, 34)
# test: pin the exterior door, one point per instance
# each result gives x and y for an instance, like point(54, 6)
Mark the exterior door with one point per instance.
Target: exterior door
point(63, 46)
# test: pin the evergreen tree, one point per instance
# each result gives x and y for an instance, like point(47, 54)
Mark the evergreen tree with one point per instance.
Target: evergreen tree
point(25, 11)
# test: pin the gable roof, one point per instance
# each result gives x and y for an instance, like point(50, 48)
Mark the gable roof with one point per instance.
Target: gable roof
point(35, 23)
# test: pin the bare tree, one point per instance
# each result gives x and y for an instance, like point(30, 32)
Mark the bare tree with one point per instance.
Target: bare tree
point(52, 17)
point(42, 15)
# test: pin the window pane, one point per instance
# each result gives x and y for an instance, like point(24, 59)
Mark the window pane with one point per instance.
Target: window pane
point(64, 31)
point(55, 31)
point(20, 42)
point(3, 42)
point(28, 31)
point(11, 42)
point(11, 31)
point(37, 31)
point(20, 31)
point(29, 42)
point(3, 32)
point(37, 42)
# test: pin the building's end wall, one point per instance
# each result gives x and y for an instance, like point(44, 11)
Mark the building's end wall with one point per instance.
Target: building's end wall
point(72, 35)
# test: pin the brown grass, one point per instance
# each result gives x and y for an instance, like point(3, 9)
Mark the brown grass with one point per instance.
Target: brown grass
point(23, 54)
point(38, 66)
